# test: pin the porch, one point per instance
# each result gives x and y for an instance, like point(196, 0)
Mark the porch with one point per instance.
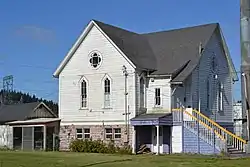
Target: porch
point(154, 131)
point(35, 134)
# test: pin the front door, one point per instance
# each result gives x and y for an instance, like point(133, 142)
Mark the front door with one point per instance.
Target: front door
point(154, 139)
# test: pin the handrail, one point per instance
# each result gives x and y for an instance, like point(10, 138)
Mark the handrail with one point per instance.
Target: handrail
point(220, 127)
point(220, 136)
point(213, 123)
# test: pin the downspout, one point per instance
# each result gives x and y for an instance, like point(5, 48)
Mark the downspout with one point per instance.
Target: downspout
point(199, 99)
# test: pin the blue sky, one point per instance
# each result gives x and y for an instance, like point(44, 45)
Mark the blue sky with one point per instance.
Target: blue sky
point(36, 35)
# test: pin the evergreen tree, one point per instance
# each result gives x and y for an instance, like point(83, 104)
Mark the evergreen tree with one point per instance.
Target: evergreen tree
point(15, 97)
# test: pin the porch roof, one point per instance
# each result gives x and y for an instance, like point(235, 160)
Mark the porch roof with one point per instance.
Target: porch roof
point(34, 121)
point(152, 119)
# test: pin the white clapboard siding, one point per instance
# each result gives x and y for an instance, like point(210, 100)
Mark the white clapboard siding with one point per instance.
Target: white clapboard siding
point(79, 66)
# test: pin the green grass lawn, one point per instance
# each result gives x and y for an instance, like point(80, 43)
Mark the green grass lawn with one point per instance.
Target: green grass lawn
point(60, 159)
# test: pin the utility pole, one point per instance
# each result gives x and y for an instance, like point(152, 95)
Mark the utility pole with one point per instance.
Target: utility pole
point(7, 88)
point(124, 70)
point(245, 63)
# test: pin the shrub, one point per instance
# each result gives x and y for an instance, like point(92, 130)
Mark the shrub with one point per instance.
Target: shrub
point(97, 146)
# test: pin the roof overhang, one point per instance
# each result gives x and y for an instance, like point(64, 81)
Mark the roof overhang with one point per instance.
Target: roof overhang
point(152, 119)
point(233, 71)
point(34, 121)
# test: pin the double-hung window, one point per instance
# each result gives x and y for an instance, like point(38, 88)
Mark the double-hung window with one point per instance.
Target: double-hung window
point(142, 92)
point(83, 94)
point(157, 97)
point(107, 93)
point(220, 99)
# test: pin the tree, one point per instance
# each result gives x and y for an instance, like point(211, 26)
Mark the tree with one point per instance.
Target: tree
point(21, 97)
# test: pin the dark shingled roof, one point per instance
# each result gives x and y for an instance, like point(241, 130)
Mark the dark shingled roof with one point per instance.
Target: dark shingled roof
point(16, 111)
point(173, 52)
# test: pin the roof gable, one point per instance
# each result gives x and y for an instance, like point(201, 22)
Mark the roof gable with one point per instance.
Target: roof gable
point(20, 111)
point(112, 38)
point(173, 52)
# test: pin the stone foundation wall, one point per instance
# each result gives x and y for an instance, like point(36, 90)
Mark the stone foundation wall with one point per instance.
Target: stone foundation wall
point(97, 132)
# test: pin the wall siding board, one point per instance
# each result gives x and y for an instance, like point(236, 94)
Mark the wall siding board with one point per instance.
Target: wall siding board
point(177, 139)
point(6, 136)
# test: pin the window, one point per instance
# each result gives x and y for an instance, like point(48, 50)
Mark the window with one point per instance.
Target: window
point(220, 98)
point(83, 94)
point(95, 59)
point(208, 94)
point(106, 93)
point(113, 133)
point(82, 133)
point(87, 133)
point(108, 133)
point(117, 133)
point(213, 63)
point(157, 96)
point(142, 93)
point(79, 134)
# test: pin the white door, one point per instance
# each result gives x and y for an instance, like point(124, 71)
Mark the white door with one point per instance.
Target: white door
point(154, 139)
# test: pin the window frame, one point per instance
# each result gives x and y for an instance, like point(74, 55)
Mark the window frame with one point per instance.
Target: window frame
point(108, 133)
point(91, 59)
point(157, 96)
point(83, 133)
point(142, 92)
point(117, 133)
point(83, 99)
point(208, 91)
point(107, 95)
point(113, 133)
point(220, 97)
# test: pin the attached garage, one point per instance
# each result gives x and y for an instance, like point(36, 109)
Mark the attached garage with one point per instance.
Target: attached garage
point(28, 126)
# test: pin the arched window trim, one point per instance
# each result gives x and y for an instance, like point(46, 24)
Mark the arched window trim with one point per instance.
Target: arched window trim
point(144, 89)
point(83, 79)
point(107, 97)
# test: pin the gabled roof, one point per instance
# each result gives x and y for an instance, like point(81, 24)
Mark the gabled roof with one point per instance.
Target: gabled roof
point(173, 52)
point(19, 112)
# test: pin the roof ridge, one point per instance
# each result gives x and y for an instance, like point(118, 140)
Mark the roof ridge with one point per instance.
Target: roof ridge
point(21, 103)
point(182, 28)
point(113, 26)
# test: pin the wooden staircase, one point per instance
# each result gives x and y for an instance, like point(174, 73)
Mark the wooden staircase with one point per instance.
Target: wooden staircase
point(209, 131)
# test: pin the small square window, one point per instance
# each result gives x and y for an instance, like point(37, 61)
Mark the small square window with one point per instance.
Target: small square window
point(86, 136)
point(108, 130)
point(117, 133)
point(78, 130)
point(79, 136)
point(108, 133)
point(86, 130)
point(117, 136)
point(117, 130)
point(109, 136)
